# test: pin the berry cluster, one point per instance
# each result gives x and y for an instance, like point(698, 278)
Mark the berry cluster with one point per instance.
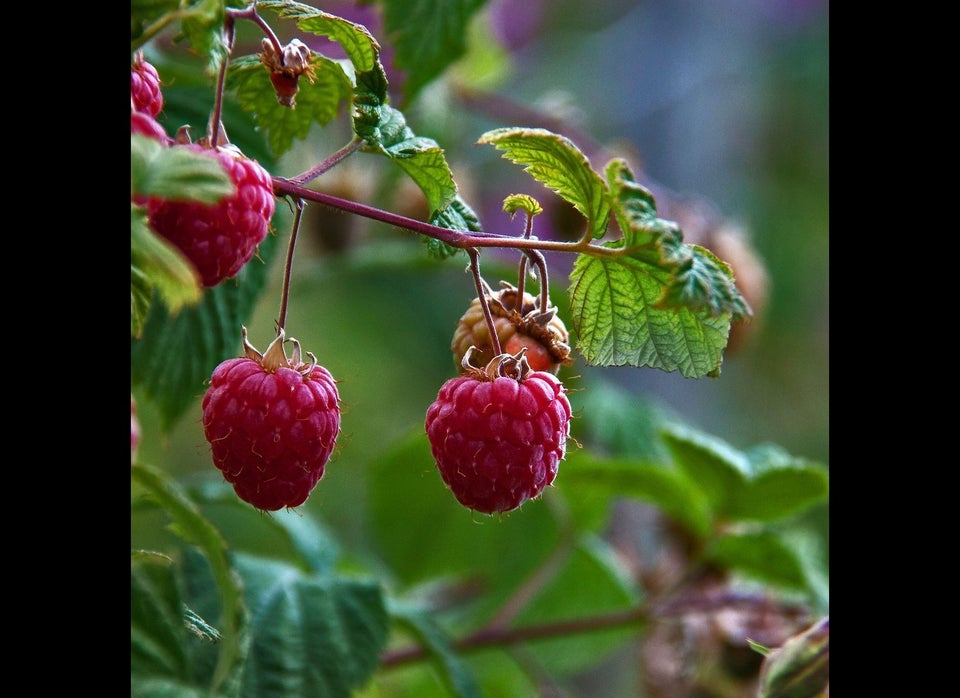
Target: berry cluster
point(497, 433)
point(218, 239)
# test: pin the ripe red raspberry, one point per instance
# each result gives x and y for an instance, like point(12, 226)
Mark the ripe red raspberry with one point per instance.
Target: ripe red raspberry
point(498, 435)
point(544, 334)
point(272, 424)
point(145, 87)
point(219, 238)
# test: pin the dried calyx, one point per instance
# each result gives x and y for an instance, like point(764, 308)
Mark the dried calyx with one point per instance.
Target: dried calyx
point(286, 68)
point(501, 366)
point(543, 326)
point(275, 357)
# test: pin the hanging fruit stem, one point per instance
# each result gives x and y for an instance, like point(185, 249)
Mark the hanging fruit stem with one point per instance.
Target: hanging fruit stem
point(487, 315)
point(285, 292)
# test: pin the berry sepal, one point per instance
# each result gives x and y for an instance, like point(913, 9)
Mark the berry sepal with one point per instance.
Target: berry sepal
point(275, 356)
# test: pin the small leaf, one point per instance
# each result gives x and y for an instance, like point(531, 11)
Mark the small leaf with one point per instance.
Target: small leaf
point(360, 46)
point(459, 678)
point(613, 304)
point(202, 25)
point(521, 202)
point(553, 160)
point(456, 216)
point(762, 556)
point(758, 648)
point(704, 281)
point(428, 36)
point(176, 173)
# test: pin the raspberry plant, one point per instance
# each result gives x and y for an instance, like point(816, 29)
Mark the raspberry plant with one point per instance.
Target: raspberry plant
point(482, 562)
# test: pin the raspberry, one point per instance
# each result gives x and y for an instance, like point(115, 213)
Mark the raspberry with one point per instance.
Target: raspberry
point(145, 87)
point(219, 238)
point(498, 435)
point(544, 334)
point(272, 423)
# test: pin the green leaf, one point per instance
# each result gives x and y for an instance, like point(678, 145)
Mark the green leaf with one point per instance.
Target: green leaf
point(456, 216)
point(203, 28)
point(428, 36)
point(317, 102)
point(313, 635)
point(704, 281)
point(553, 160)
point(176, 173)
point(156, 264)
point(385, 131)
point(591, 582)
point(193, 528)
point(762, 556)
point(521, 202)
point(780, 486)
point(423, 160)
point(613, 304)
point(157, 633)
point(590, 482)
point(717, 468)
point(633, 204)
point(457, 675)
point(175, 355)
point(360, 46)
point(762, 484)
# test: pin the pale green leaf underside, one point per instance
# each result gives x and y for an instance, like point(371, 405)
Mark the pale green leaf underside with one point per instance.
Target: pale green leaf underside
point(614, 307)
point(554, 161)
point(361, 48)
point(317, 102)
point(176, 173)
point(156, 264)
